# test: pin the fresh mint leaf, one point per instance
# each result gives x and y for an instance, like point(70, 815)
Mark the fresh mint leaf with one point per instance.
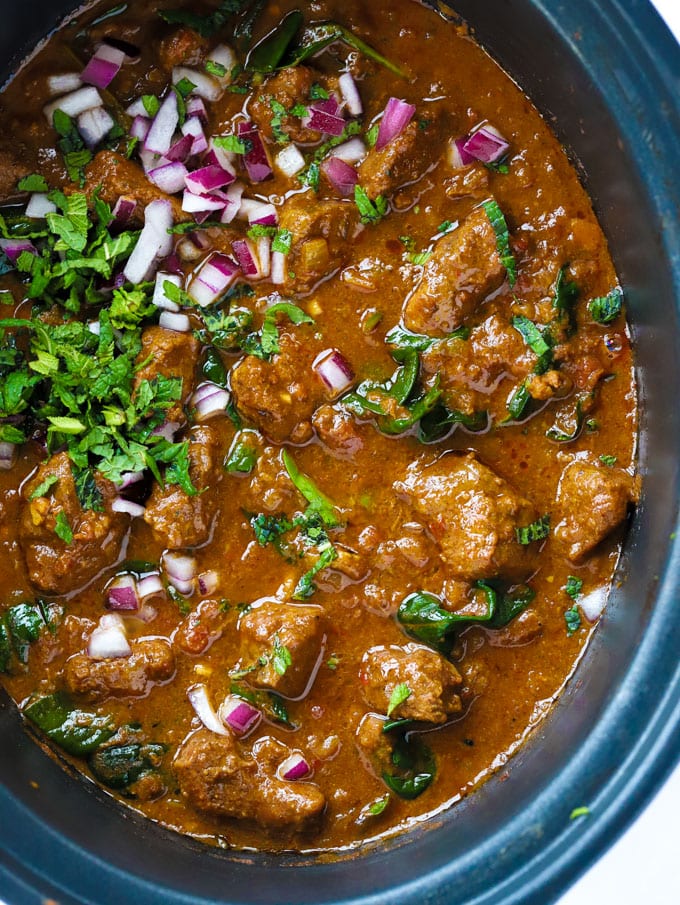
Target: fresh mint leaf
point(62, 528)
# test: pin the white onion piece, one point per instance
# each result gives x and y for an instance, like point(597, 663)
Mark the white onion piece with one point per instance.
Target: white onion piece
point(294, 768)
point(225, 159)
point(163, 127)
point(198, 204)
point(108, 642)
point(209, 400)
point(147, 613)
point(154, 242)
point(75, 103)
point(167, 430)
point(350, 94)
point(128, 478)
point(140, 127)
point(94, 327)
point(63, 83)
point(112, 620)
point(593, 604)
point(189, 251)
point(137, 108)
point(7, 455)
point(180, 323)
point(196, 107)
point(258, 212)
point(127, 507)
point(170, 177)
point(149, 586)
point(160, 299)
point(224, 56)
point(199, 700)
point(234, 196)
point(278, 268)
point(241, 716)
point(193, 128)
point(179, 565)
point(40, 206)
point(213, 279)
point(334, 371)
point(351, 151)
point(205, 85)
point(290, 160)
point(94, 125)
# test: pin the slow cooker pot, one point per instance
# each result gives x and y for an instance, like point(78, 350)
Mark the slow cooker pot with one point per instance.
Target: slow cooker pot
point(606, 74)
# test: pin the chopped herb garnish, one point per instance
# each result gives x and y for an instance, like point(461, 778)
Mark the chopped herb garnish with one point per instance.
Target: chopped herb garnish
point(370, 211)
point(283, 241)
point(445, 227)
point(609, 461)
point(372, 135)
point(276, 121)
point(206, 25)
point(538, 530)
point(151, 104)
point(44, 486)
point(62, 528)
point(281, 657)
point(375, 808)
point(606, 309)
point(420, 258)
point(216, 69)
point(231, 143)
point(305, 586)
point(318, 501)
point(500, 227)
point(242, 455)
point(269, 528)
point(400, 694)
point(33, 183)
point(573, 587)
point(572, 617)
point(333, 662)
point(317, 93)
point(535, 339)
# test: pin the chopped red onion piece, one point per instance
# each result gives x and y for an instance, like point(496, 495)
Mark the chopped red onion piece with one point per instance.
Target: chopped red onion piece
point(136, 108)
point(149, 586)
point(147, 613)
point(180, 323)
point(210, 404)
point(350, 94)
point(196, 108)
point(213, 279)
point(63, 83)
point(108, 641)
point(351, 151)
point(154, 242)
point(234, 200)
point(94, 125)
point(199, 204)
point(398, 114)
point(245, 255)
point(163, 126)
point(486, 144)
point(103, 67)
point(39, 206)
point(75, 103)
point(160, 299)
point(264, 255)
point(223, 56)
point(150, 160)
point(207, 179)
point(257, 212)
point(13, 248)
point(329, 106)
point(193, 129)
point(208, 582)
point(458, 156)
point(220, 156)
point(320, 121)
point(122, 594)
point(124, 209)
point(169, 178)
point(167, 430)
point(256, 161)
point(290, 160)
point(239, 715)
point(198, 697)
point(179, 566)
point(341, 175)
point(128, 478)
point(127, 507)
point(7, 455)
point(294, 768)
point(278, 268)
point(334, 370)
point(205, 85)
point(204, 391)
point(181, 149)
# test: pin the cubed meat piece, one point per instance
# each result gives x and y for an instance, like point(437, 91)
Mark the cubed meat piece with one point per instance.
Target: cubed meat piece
point(170, 354)
point(201, 628)
point(271, 489)
point(113, 175)
point(429, 683)
point(269, 629)
point(217, 778)
point(375, 746)
point(402, 161)
point(527, 627)
point(12, 169)
point(54, 565)
point(279, 396)
point(592, 501)
point(151, 661)
point(322, 232)
point(180, 520)
point(473, 514)
point(337, 430)
point(184, 47)
point(290, 88)
point(463, 270)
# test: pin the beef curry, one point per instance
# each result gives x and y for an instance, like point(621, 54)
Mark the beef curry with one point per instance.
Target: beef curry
point(318, 415)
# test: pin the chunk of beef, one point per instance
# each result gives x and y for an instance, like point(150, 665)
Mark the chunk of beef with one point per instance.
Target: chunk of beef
point(463, 270)
point(470, 182)
point(273, 626)
point(12, 169)
point(432, 682)
point(592, 501)
point(322, 231)
point(279, 396)
point(180, 520)
point(289, 87)
point(271, 488)
point(527, 627)
point(215, 777)
point(201, 628)
point(151, 661)
point(402, 161)
point(473, 514)
point(337, 430)
point(170, 354)
point(53, 565)
point(375, 746)
point(183, 47)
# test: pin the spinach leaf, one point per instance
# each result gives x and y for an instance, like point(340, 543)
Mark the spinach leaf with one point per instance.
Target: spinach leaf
point(318, 501)
point(316, 37)
point(119, 766)
point(500, 227)
point(569, 422)
point(606, 309)
point(242, 456)
point(268, 53)
point(76, 731)
point(414, 769)
point(437, 424)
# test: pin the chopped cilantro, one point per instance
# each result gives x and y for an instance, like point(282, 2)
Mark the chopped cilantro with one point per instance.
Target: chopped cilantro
point(332, 662)
point(269, 528)
point(445, 226)
point(32, 183)
point(276, 121)
point(310, 176)
point(62, 528)
point(283, 241)
point(372, 135)
point(44, 486)
point(305, 586)
point(609, 461)
point(408, 242)
point(317, 93)
point(267, 344)
point(231, 143)
point(151, 104)
point(573, 587)
point(281, 657)
point(370, 211)
point(420, 258)
point(318, 501)
point(606, 309)
point(216, 69)
point(399, 694)
point(242, 456)
point(538, 530)
point(572, 617)
point(375, 808)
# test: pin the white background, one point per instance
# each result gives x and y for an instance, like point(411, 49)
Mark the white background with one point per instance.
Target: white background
point(643, 868)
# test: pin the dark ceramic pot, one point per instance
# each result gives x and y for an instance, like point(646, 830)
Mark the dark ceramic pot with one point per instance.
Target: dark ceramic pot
point(606, 73)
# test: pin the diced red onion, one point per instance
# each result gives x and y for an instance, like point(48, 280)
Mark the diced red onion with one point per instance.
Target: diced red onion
point(63, 83)
point(210, 400)
point(160, 299)
point(173, 265)
point(239, 715)
point(127, 507)
point(169, 178)
point(398, 114)
point(179, 566)
point(334, 370)
point(147, 613)
point(351, 151)
point(258, 212)
point(179, 323)
point(246, 257)
point(264, 255)
point(198, 204)
point(458, 156)
point(234, 200)
point(122, 594)
point(341, 175)
point(131, 51)
point(278, 268)
point(129, 478)
point(154, 242)
point(94, 125)
point(350, 94)
point(256, 161)
point(136, 108)
point(7, 455)
point(39, 206)
point(205, 85)
point(167, 430)
point(224, 56)
point(189, 251)
point(196, 107)
point(290, 160)
point(13, 248)
point(104, 66)
point(149, 586)
point(181, 149)
point(163, 126)
point(486, 144)
point(294, 768)
point(320, 121)
point(124, 209)
point(140, 127)
point(213, 279)
point(206, 179)
point(75, 103)
point(198, 697)
point(220, 156)
point(150, 160)
point(330, 106)
point(208, 582)
point(108, 641)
